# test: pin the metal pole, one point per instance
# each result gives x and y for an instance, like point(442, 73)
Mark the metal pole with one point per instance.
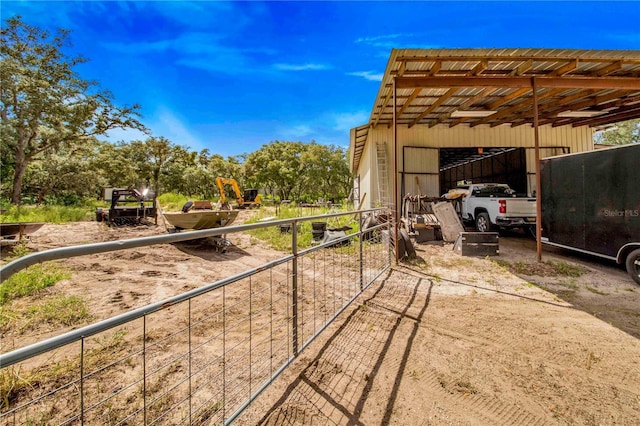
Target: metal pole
point(82, 381)
point(396, 205)
point(360, 236)
point(294, 278)
point(538, 184)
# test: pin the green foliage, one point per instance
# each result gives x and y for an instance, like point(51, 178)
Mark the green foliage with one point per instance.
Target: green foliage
point(61, 176)
point(51, 154)
point(45, 104)
point(56, 311)
point(49, 214)
point(172, 202)
point(501, 262)
point(30, 280)
point(567, 269)
point(302, 172)
point(623, 133)
point(279, 240)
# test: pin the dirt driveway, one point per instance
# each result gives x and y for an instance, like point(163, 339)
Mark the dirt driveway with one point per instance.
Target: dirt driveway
point(442, 340)
point(449, 340)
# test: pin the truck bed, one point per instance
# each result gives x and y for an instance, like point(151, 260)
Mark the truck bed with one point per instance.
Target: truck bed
point(521, 207)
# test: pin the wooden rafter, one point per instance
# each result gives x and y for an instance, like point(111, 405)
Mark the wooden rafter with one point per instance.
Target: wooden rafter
point(433, 106)
point(406, 104)
point(608, 69)
point(520, 82)
point(623, 115)
point(518, 71)
point(509, 58)
point(524, 104)
point(478, 69)
point(593, 101)
point(401, 70)
point(549, 108)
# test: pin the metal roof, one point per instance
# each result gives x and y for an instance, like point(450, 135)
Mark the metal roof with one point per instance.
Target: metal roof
point(447, 86)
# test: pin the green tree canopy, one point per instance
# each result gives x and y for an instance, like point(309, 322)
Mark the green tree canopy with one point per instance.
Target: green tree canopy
point(623, 133)
point(301, 170)
point(45, 104)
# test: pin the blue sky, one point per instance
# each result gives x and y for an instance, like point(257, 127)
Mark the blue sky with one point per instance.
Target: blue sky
point(232, 76)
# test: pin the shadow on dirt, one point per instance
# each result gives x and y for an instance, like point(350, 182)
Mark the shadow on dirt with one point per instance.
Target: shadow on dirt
point(392, 316)
point(207, 249)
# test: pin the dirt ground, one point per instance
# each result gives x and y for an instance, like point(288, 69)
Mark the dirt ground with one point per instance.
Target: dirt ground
point(441, 340)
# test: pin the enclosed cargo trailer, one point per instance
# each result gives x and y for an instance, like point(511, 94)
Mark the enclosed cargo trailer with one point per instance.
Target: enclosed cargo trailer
point(591, 203)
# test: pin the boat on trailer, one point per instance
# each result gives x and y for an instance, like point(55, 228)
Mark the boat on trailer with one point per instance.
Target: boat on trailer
point(200, 215)
point(13, 233)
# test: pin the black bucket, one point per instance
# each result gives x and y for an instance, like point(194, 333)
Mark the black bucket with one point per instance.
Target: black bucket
point(317, 230)
point(285, 228)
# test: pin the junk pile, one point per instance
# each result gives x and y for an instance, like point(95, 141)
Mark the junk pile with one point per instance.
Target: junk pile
point(331, 237)
point(430, 219)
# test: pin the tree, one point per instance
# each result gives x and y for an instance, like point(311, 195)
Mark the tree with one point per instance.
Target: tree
point(44, 102)
point(156, 157)
point(115, 165)
point(326, 171)
point(63, 175)
point(623, 133)
point(279, 165)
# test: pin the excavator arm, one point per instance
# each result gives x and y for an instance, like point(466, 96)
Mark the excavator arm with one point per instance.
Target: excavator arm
point(221, 182)
point(251, 195)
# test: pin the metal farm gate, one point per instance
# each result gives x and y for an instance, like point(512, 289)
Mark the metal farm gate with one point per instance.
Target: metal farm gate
point(200, 357)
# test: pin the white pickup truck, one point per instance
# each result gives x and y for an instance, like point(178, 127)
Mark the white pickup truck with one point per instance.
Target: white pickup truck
point(494, 205)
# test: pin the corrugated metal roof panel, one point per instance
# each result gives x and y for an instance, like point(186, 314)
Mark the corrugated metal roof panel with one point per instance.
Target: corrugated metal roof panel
point(511, 103)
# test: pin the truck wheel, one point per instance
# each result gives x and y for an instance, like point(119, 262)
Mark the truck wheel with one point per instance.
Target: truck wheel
point(633, 265)
point(483, 224)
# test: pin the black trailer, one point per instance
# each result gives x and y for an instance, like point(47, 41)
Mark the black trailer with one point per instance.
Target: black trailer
point(129, 207)
point(591, 203)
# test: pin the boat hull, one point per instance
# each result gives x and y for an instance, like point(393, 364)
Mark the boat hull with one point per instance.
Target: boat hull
point(13, 233)
point(201, 219)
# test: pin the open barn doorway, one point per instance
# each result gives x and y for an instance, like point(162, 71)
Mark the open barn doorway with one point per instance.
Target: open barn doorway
point(481, 165)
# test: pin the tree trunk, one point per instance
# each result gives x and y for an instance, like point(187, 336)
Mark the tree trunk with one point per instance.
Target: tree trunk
point(18, 175)
point(156, 182)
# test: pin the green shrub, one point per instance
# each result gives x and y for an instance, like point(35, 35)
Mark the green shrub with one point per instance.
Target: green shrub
point(567, 269)
point(31, 280)
point(173, 202)
point(50, 214)
point(282, 240)
point(58, 311)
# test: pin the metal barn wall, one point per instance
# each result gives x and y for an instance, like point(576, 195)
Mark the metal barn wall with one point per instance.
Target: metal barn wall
point(420, 163)
point(576, 139)
point(366, 171)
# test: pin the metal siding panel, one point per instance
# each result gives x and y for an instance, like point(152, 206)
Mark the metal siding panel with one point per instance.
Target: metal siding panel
point(577, 139)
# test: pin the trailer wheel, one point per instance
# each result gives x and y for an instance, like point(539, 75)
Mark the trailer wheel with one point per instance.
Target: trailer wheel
point(633, 265)
point(483, 224)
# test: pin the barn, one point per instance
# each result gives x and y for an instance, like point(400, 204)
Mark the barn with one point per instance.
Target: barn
point(486, 115)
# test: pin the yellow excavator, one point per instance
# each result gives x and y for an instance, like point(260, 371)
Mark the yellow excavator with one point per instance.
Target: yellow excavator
point(249, 199)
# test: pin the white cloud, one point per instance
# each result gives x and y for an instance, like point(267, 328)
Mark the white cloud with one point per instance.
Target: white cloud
point(344, 122)
point(199, 50)
point(166, 124)
point(302, 67)
point(295, 132)
point(176, 131)
point(376, 39)
point(386, 41)
point(368, 75)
